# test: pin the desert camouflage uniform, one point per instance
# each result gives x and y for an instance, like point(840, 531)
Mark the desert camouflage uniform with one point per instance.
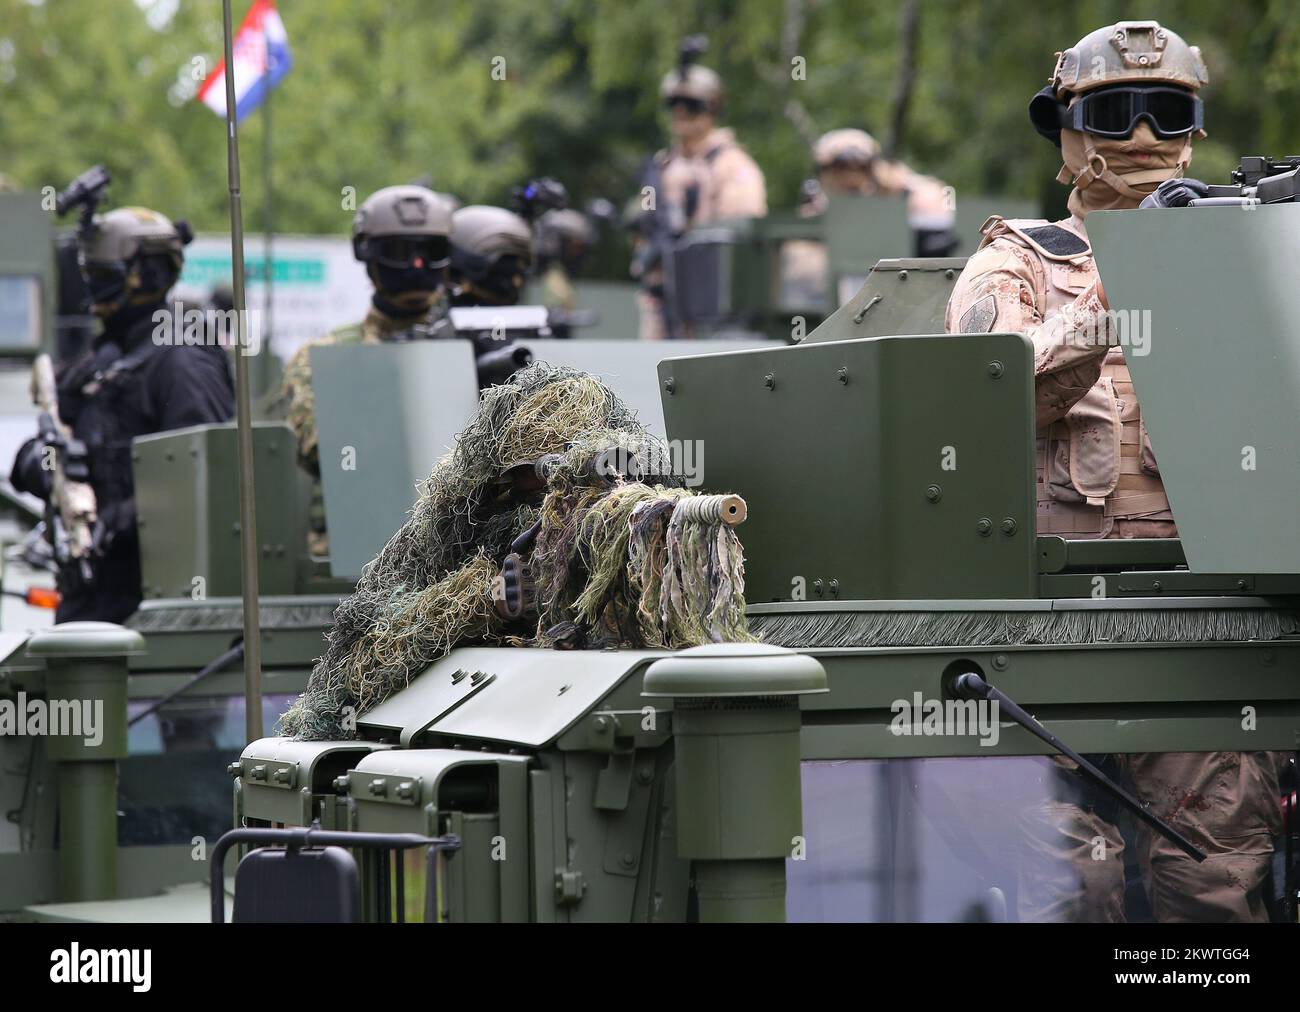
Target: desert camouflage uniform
point(722, 182)
point(929, 202)
point(1097, 477)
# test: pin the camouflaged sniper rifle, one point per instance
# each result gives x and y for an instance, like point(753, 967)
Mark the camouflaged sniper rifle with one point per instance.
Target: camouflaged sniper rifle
point(70, 511)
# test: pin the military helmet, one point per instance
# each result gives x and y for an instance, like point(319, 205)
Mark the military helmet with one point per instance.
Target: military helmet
point(1129, 52)
point(405, 212)
point(695, 82)
point(491, 252)
point(566, 223)
point(845, 147)
point(563, 234)
point(130, 255)
point(122, 234)
point(491, 232)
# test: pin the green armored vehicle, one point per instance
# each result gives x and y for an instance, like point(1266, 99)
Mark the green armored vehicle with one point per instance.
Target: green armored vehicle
point(894, 570)
point(873, 759)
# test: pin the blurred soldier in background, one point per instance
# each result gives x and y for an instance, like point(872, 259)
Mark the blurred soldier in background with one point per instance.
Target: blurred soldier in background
point(849, 162)
point(564, 237)
point(1123, 109)
point(138, 377)
point(402, 235)
point(491, 254)
point(705, 176)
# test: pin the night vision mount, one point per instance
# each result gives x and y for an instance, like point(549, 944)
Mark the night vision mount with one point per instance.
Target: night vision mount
point(689, 52)
point(86, 192)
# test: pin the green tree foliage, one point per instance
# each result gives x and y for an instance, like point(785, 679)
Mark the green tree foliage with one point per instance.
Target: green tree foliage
point(481, 96)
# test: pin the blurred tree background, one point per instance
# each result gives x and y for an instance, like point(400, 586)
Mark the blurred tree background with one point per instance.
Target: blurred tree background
point(386, 91)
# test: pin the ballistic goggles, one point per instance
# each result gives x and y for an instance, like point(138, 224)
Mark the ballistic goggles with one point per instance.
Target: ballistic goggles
point(693, 106)
point(1115, 111)
point(403, 251)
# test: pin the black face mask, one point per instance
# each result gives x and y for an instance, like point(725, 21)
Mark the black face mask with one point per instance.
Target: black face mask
point(106, 281)
point(495, 282)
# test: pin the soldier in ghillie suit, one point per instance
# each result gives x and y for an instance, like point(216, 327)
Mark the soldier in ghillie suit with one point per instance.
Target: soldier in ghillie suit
point(1123, 108)
point(544, 527)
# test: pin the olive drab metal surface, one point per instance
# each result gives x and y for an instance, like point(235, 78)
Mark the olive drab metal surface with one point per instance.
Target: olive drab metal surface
point(186, 483)
point(882, 468)
point(628, 367)
point(859, 232)
point(27, 276)
point(898, 297)
point(1213, 345)
point(386, 414)
point(973, 212)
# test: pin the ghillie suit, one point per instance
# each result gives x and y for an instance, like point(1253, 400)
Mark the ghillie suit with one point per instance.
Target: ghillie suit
point(545, 478)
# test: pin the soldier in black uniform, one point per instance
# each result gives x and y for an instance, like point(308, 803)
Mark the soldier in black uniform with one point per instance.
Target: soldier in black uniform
point(139, 376)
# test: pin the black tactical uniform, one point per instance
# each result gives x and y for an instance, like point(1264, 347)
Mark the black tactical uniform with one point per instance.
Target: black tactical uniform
point(129, 384)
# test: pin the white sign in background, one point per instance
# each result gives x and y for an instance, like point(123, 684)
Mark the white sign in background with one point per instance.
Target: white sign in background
point(318, 285)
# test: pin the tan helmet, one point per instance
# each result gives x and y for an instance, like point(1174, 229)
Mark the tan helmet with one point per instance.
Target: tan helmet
point(845, 147)
point(491, 252)
point(413, 211)
point(694, 81)
point(121, 234)
point(567, 224)
point(491, 232)
point(562, 234)
point(1128, 52)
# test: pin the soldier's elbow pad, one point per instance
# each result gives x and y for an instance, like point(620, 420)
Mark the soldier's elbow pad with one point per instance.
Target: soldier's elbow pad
point(29, 473)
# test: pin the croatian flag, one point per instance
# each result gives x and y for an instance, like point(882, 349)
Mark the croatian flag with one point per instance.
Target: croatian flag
point(262, 58)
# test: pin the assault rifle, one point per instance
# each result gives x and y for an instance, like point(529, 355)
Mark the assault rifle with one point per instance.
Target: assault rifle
point(70, 512)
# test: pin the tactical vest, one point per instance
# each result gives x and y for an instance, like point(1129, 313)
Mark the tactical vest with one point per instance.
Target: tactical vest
point(1095, 466)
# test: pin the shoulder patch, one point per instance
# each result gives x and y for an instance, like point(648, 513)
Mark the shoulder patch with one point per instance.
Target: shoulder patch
point(1057, 241)
point(1052, 242)
point(979, 319)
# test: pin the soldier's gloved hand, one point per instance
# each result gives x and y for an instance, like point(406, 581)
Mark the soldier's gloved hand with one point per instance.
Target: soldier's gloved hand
point(29, 473)
point(1176, 193)
point(115, 520)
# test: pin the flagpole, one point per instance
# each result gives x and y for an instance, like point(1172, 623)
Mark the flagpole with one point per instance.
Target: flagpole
point(268, 228)
point(247, 514)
